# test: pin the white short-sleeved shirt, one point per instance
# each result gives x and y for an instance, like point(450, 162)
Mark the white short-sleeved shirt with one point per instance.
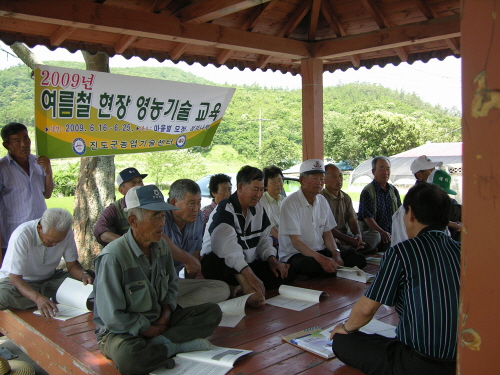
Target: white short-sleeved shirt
point(28, 256)
point(298, 217)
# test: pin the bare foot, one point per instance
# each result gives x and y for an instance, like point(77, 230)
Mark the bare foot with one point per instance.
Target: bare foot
point(256, 300)
point(234, 290)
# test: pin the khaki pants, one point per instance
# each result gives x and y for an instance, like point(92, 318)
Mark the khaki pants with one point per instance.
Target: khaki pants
point(194, 292)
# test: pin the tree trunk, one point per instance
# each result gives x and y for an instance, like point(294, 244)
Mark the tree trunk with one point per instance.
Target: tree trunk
point(26, 55)
point(95, 189)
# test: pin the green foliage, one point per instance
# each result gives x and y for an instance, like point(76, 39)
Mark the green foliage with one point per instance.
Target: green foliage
point(280, 151)
point(168, 166)
point(66, 179)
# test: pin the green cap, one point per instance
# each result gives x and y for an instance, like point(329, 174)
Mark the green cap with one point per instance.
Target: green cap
point(442, 179)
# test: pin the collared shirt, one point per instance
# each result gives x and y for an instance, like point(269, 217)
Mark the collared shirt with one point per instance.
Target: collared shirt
point(29, 257)
point(21, 196)
point(108, 222)
point(239, 239)
point(189, 240)
point(129, 289)
point(421, 278)
point(341, 207)
point(272, 207)
point(383, 216)
point(298, 217)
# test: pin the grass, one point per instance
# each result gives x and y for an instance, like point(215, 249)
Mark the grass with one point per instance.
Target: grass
point(61, 202)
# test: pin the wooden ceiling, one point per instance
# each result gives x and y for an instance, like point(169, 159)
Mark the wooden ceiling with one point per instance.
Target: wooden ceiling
point(255, 34)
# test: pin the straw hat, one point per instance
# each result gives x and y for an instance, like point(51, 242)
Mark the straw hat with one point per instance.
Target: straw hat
point(15, 367)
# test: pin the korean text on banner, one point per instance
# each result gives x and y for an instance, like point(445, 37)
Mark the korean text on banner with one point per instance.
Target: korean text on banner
point(87, 113)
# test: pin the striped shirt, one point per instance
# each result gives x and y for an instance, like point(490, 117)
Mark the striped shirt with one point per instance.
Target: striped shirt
point(421, 278)
point(21, 196)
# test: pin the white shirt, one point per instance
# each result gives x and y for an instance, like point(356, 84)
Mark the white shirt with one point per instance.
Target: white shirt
point(28, 256)
point(298, 217)
point(272, 207)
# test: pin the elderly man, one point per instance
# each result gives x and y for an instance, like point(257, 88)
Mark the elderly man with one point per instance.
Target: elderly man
point(28, 275)
point(347, 232)
point(379, 200)
point(306, 221)
point(137, 323)
point(237, 247)
point(422, 167)
point(184, 226)
point(420, 277)
point(25, 181)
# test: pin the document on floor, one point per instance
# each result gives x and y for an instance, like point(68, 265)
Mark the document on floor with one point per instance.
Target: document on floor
point(374, 326)
point(218, 361)
point(313, 340)
point(295, 298)
point(71, 298)
point(233, 310)
point(354, 273)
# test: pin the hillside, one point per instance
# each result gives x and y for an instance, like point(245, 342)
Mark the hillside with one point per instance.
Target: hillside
point(361, 120)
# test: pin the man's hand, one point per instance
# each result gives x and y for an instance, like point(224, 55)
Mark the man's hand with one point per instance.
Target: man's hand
point(328, 264)
point(45, 163)
point(87, 279)
point(385, 236)
point(154, 331)
point(278, 268)
point(192, 266)
point(338, 329)
point(254, 281)
point(46, 306)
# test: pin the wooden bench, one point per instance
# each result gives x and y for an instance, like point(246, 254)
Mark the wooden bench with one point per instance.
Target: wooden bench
point(70, 347)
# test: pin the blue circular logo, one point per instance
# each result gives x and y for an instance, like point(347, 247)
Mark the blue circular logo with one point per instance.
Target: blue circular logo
point(79, 146)
point(181, 141)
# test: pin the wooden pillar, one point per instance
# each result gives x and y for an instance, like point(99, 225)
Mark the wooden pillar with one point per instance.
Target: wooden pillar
point(479, 323)
point(312, 109)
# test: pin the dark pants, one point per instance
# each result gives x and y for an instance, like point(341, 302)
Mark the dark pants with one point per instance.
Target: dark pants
point(214, 267)
point(136, 355)
point(379, 355)
point(307, 266)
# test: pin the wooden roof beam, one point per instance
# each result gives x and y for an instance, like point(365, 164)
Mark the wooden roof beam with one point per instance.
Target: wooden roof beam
point(107, 18)
point(159, 6)
point(392, 37)
point(454, 44)
point(178, 50)
point(61, 34)
point(375, 13)
point(401, 52)
point(313, 25)
point(124, 42)
point(426, 9)
point(299, 14)
point(331, 18)
point(208, 10)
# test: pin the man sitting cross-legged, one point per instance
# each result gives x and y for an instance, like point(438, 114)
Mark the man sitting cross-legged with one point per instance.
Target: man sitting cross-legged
point(138, 324)
point(237, 247)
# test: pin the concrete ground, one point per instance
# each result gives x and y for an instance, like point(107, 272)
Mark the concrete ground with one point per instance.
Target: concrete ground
point(9, 344)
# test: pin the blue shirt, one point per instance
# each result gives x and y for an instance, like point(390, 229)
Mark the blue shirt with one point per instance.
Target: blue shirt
point(383, 216)
point(190, 240)
point(421, 278)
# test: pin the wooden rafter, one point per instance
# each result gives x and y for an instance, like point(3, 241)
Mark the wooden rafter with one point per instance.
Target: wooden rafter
point(375, 13)
point(179, 49)
point(332, 20)
point(299, 14)
point(124, 21)
point(61, 34)
point(392, 37)
point(159, 6)
point(313, 25)
point(208, 10)
point(124, 42)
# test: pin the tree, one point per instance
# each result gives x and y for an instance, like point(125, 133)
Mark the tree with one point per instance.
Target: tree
point(280, 151)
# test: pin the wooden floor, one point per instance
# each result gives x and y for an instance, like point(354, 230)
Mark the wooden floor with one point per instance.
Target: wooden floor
point(261, 331)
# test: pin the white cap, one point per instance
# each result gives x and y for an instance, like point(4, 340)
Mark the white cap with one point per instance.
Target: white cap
point(312, 166)
point(422, 163)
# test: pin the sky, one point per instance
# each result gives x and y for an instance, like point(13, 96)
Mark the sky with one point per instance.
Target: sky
point(436, 82)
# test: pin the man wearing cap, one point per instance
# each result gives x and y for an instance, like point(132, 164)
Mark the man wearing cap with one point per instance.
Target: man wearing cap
point(422, 167)
point(113, 223)
point(306, 221)
point(378, 201)
point(443, 180)
point(138, 324)
point(28, 277)
point(237, 247)
point(420, 277)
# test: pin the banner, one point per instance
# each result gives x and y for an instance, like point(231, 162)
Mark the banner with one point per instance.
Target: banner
point(87, 113)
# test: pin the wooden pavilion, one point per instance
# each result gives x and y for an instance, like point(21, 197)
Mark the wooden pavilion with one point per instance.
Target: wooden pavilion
point(309, 37)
